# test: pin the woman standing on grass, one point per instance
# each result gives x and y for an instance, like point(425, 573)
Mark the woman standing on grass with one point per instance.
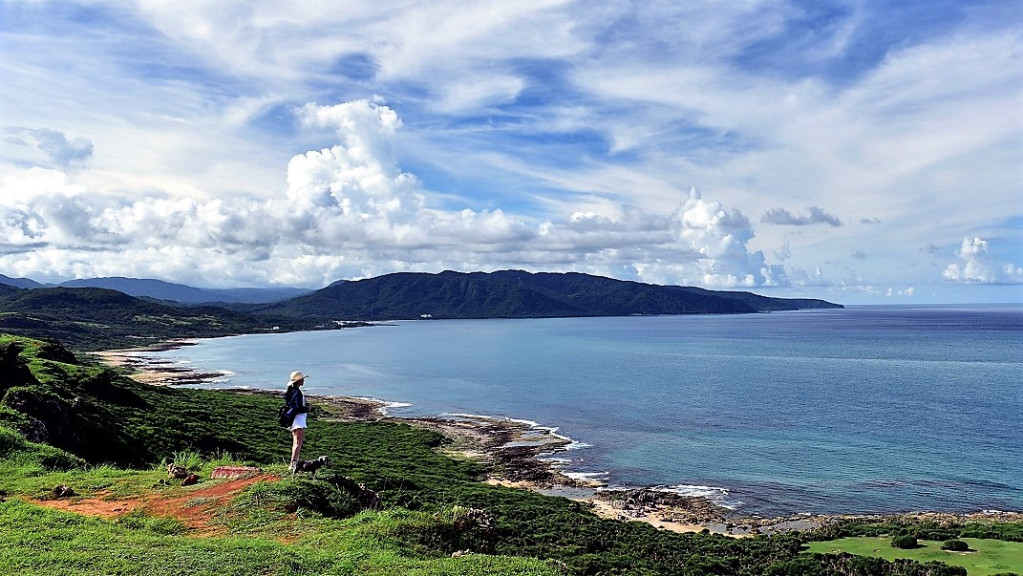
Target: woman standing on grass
point(295, 400)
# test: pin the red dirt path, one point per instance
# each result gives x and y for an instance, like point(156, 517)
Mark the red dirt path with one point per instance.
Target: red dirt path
point(205, 502)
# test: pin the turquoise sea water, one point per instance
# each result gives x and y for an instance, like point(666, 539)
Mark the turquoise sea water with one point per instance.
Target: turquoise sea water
point(869, 409)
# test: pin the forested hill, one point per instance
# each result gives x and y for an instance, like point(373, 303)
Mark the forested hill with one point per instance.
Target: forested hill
point(517, 294)
point(94, 318)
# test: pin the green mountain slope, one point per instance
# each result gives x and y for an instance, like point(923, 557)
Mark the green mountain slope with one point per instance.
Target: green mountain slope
point(94, 318)
point(160, 290)
point(517, 294)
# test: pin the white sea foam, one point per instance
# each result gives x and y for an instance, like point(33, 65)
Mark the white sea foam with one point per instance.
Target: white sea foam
point(551, 457)
point(386, 405)
point(588, 476)
point(482, 417)
point(715, 494)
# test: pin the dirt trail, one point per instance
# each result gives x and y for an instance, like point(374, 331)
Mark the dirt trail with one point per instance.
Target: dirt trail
point(195, 509)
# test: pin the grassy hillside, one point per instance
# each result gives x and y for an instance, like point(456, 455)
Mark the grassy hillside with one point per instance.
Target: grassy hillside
point(96, 318)
point(106, 436)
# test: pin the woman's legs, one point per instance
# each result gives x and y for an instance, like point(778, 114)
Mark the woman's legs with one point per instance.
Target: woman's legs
point(297, 437)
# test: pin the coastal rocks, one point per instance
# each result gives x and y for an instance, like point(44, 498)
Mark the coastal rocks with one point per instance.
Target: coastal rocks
point(157, 371)
point(519, 464)
point(512, 447)
point(641, 503)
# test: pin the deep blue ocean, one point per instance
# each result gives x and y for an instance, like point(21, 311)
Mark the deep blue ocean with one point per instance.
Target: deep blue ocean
point(859, 410)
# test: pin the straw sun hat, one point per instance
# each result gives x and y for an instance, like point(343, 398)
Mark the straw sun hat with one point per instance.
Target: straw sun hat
point(295, 377)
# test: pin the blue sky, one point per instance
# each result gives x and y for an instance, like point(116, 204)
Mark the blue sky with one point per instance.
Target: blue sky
point(862, 152)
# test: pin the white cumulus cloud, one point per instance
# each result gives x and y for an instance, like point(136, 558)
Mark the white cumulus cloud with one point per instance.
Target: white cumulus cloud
point(350, 211)
point(978, 266)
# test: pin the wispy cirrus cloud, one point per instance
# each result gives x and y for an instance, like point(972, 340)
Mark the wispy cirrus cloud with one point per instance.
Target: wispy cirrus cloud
point(54, 146)
point(544, 135)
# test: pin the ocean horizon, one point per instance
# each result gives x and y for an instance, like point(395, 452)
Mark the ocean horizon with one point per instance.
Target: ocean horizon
point(867, 409)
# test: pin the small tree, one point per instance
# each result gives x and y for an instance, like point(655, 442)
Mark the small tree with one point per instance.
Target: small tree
point(905, 542)
point(955, 546)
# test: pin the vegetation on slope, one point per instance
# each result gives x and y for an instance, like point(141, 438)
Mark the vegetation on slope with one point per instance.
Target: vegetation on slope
point(64, 422)
point(517, 294)
point(97, 318)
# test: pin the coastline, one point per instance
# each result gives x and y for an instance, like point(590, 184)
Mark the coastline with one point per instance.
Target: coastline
point(521, 455)
point(154, 371)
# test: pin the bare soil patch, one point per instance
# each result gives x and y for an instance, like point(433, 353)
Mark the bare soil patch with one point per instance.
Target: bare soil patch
point(194, 508)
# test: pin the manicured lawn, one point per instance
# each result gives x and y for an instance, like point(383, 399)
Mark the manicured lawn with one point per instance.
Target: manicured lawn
point(988, 556)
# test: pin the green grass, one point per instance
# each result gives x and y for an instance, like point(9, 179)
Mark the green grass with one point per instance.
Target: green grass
point(44, 543)
point(989, 556)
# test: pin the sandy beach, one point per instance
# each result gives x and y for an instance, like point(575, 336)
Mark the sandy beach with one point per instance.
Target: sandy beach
point(152, 370)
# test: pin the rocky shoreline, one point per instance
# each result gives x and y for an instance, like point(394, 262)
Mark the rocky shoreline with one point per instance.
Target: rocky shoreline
point(520, 456)
point(154, 370)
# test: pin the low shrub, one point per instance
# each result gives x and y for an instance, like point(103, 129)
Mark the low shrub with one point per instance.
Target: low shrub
point(292, 496)
point(905, 542)
point(955, 546)
point(10, 441)
point(58, 460)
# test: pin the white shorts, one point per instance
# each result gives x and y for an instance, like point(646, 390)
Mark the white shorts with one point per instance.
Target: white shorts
point(298, 422)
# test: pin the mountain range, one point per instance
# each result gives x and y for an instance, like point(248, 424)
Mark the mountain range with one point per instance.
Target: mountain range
point(94, 318)
point(160, 290)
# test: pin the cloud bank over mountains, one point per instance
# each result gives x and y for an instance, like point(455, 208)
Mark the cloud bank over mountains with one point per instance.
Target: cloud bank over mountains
point(841, 149)
point(349, 211)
